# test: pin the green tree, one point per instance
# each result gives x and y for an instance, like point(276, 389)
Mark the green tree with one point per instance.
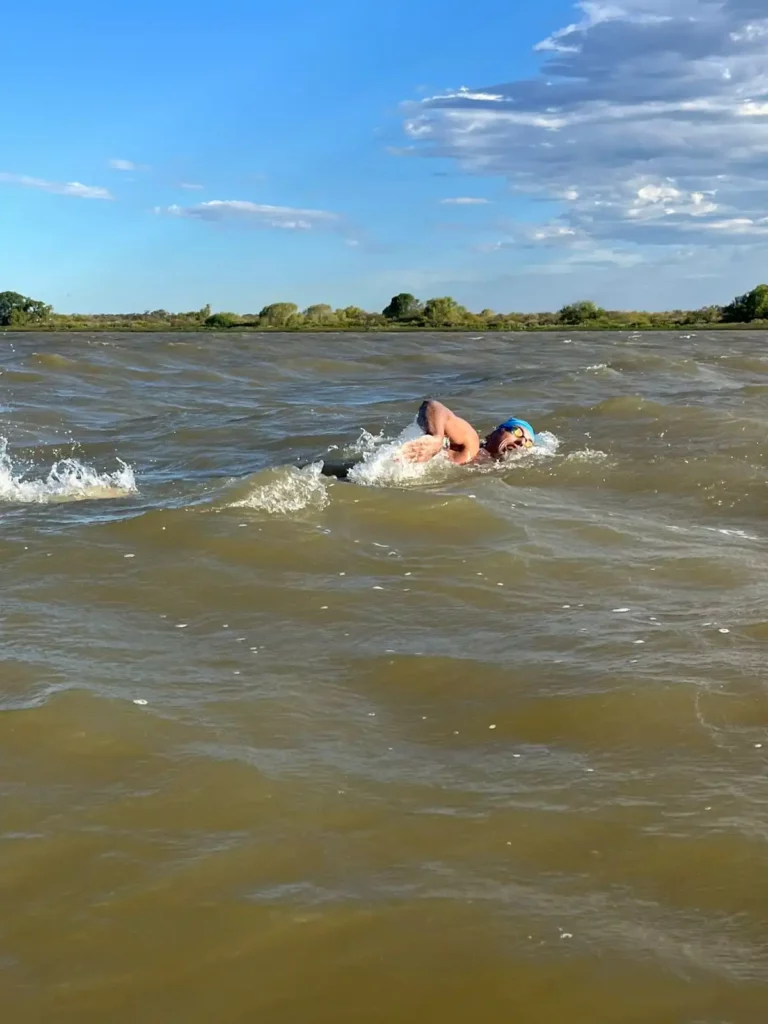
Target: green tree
point(444, 312)
point(18, 310)
point(353, 316)
point(746, 308)
point(321, 314)
point(704, 315)
point(222, 321)
point(580, 313)
point(403, 307)
point(277, 314)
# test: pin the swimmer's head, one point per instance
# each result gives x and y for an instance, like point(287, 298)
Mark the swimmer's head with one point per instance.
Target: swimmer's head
point(510, 435)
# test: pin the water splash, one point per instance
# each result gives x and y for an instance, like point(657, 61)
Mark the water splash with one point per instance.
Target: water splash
point(382, 465)
point(66, 480)
point(546, 446)
point(290, 490)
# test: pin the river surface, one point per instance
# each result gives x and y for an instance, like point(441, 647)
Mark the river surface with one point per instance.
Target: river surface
point(433, 744)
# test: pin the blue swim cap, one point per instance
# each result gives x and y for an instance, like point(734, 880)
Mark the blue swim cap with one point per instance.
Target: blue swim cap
point(513, 422)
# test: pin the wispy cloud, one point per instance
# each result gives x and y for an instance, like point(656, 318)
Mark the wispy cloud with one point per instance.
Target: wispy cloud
point(61, 188)
point(551, 234)
point(648, 125)
point(191, 186)
point(254, 215)
point(465, 201)
point(125, 165)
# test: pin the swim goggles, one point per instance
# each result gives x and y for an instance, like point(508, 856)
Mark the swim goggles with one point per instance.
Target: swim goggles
point(521, 441)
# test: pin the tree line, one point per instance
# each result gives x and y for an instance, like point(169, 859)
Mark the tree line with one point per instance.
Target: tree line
point(403, 312)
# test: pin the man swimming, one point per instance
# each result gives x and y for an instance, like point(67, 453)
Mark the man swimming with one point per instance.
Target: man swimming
point(464, 446)
point(444, 431)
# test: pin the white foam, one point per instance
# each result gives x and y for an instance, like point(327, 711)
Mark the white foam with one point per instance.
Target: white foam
point(291, 491)
point(732, 533)
point(382, 463)
point(545, 447)
point(602, 370)
point(587, 455)
point(66, 480)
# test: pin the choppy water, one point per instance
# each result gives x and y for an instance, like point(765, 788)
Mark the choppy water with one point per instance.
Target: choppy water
point(437, 744)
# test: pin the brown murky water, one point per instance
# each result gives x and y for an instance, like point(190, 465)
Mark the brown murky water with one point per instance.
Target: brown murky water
point(446, 745)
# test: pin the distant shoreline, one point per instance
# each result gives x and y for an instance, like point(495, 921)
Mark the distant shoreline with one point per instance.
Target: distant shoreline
point(389, 329)
point(404, 313)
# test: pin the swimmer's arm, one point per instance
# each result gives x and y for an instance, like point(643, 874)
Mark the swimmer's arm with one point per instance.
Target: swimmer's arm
point(434, 418)
point(464, 455)
point(438, 422)
point(462, 437)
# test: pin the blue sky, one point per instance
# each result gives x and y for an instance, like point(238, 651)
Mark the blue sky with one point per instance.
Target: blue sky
point(515, 156)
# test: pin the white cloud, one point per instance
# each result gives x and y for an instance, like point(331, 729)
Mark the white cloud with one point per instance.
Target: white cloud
point(664, 200)
point(574, 250)
point(465, 201)
point(127, 165)
point(256, 215)
point(648, 124)
point(465, 94)
point(740, 226)
point(191, 186)
point(551, 232)
point(61, 188)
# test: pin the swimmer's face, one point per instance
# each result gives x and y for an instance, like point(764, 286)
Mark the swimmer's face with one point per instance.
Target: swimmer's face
point(502, 441)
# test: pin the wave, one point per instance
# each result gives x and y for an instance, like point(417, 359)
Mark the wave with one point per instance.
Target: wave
point(601, 370)
point(289, 490)
point(587, 455)
point(66, 480)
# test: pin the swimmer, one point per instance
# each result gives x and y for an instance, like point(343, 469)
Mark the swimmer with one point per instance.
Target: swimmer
point(464, 446)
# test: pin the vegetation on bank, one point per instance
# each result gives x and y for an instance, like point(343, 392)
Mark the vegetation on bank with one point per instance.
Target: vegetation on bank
point(404, 312)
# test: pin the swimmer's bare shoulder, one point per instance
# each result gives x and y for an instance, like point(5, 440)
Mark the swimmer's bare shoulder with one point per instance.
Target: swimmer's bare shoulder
point(439, 423)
